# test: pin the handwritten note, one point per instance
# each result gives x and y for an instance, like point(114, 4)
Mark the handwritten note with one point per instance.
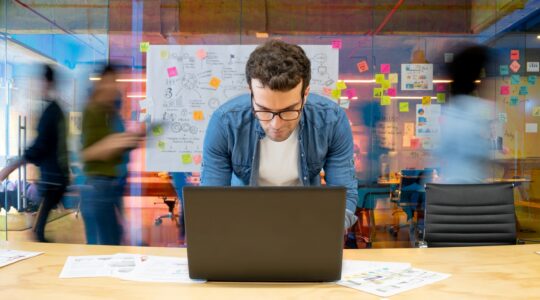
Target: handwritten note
point(514, 79)
point(377, 92)
point(531, 79)
point(514, 101)
point(503, 70)
point(441, 97)
point(393, 78)
point(143, 47)
point(385, 84)
point(379, 78)
point(197, 159)
point(514, 54)
point(426, 100)
point(340, 85)
point(536, 111)
point(523, 90)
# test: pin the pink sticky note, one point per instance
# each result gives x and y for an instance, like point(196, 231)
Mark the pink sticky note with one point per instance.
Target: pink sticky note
point(201, 54)
point(505, 90)
point(172, 71)
point(415, 143)
point(440, 87)
point(327, 91)
point(514, 66)
point(197, 158)
point(336, 44)
point(385, 68)
point(391, 92)
point(350, 93)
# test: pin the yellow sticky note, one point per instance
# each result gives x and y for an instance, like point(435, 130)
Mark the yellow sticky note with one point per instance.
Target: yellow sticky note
point(536, 111)
point(340, 85)
point(385, 84)
point(403, 106)
point(441, 97)
point(164, 54)
point(157, 131)
point(379, 78)
point(385, 100)
point(214, 82)
point(143, 46)
point(336, 94)
point(186, 158)
point(426, 100)
point(377, 92)
point(161, 145)
point(393, 77)
point(198, 115)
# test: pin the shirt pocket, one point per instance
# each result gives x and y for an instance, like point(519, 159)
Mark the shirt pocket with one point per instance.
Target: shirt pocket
point(242, 171)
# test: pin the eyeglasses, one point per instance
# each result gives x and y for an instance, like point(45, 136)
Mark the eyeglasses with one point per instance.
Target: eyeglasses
point(285, 115)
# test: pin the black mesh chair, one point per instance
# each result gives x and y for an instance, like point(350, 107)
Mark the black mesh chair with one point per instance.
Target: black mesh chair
point(469, 215)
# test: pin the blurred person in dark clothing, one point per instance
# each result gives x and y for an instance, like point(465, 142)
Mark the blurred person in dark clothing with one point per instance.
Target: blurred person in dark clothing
point(105, 150)
point(48, 152)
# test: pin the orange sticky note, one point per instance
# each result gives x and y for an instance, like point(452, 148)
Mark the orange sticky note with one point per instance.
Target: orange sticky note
point(327, 91)
point(362, 66)
point(197, 158)
point(198, 115)
point(426, 100)
point(214, 82)
point(201, 54)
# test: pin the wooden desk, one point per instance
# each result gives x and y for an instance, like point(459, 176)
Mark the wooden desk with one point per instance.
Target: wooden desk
point(503, 272)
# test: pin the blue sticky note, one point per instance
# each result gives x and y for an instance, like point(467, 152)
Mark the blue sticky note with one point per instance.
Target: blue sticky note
point(514, 101)
point(532, 80)
point(514, 79)
point(504, 70)
point(523, 90)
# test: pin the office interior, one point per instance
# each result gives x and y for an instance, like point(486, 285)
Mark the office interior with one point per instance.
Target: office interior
point(371, 37)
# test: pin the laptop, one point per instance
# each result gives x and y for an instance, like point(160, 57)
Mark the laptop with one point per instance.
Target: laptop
point(265, 233)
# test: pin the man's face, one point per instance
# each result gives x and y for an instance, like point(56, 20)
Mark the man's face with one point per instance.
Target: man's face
point(265, 99)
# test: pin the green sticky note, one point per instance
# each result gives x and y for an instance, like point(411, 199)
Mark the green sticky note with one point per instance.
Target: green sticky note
point(514, 100)
point(157, 131)
point(385, 100)
point(385, 84)
point(161, 145)
point(523, 90)
point(377, 92)
point(336, 94)
point(503, 70)
point(379, 78)
point(514, 79)
point(441, 97)
point(186, 158)
point(403, 106)
point(532, 80)
point(536, 111)
point(340, 85)
point(143, 46)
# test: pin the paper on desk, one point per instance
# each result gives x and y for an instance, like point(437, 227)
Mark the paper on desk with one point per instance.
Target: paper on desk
point(11, 256)
point(161, 269)
point(390, 280)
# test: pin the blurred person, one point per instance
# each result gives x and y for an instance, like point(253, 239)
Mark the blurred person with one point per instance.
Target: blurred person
point(465, 146)
point(105, 150)
point(48, 152)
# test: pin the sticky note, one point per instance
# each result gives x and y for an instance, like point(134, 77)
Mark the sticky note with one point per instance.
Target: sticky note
point(393, 78)
point(514, 100)
point(164, 54)
point(336, 44)
point(440, 87)
point(344, 103)
point(415, 143)
point(336, 94)
point(514, 79)
point(385, 84)
point(340, 85)
point(157, 131)
point(391, 92)
point(536, 111)
point(327, 91)
point(350, 93)
point(172, 71)
point(505, 90)
point(161, 145)
point(441, 97)
point(143, 46)
point(523, 90)
point(187, 159)
point(426, 100)
point(379, 78)
point(403, 106)
point(514, 66)
point(385, 68)
point(406, 141)
point(514, 54)
point(197, 159)
point(503, 117)
point(201, 54)
point(214, 82)
point(531, 127)
point(385, 100)
point(362, 66)
point(377, 92)
point(198, 115)
point(532, 79)
point(533, 66)
point(503, 70)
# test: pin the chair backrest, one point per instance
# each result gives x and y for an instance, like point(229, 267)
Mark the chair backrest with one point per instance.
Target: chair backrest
point(411, 186)
point(469, 215)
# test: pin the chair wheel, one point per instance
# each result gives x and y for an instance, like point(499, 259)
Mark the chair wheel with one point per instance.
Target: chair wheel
point(158, 222)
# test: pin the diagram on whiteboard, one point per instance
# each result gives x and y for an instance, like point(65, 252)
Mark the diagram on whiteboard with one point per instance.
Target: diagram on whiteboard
point(186, 84)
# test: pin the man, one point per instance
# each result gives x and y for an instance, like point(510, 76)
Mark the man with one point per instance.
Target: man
point(279, 137)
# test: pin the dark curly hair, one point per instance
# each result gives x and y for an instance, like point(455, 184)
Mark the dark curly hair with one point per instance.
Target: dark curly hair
point(279, 66)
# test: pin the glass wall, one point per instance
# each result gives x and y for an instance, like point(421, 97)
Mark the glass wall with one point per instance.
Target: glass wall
point(392, 57)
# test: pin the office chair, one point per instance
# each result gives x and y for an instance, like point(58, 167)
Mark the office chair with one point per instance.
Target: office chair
point(469, 215)
point(171, 203)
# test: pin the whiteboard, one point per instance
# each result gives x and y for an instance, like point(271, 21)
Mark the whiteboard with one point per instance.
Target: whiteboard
point(186, 84)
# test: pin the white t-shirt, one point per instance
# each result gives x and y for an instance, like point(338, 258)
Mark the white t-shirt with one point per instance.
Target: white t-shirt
point(278, 162)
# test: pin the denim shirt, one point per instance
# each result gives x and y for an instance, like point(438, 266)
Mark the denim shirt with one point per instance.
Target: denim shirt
point(231, 146)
